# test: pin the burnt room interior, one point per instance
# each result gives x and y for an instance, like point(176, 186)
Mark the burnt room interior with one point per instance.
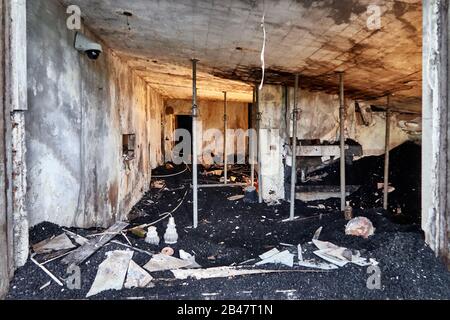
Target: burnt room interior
point(224, 149)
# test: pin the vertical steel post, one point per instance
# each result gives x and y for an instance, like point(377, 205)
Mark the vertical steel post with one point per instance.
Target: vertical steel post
point(294, 149)
point(225, 140)
point(194, 143)
point(342, 138)
point(258, 121)
point(252, 144)
point(387, 153)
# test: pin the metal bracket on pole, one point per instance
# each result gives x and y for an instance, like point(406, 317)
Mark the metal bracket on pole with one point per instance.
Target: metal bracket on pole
point(387, 153)
point(225, 140)
point(295, 115)
point(342, 139)
point(194, 143)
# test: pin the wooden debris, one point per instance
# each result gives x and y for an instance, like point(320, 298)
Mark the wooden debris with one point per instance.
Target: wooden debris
point(59, 243)
point(236, 198)
point(51, 275)
point(137, 277)
point(77, 238)
point(286, 258)
point(132, 248)
point(161, 262)
point(111, 272)
point(226, 272)
point(317, 233)
point(81, 254)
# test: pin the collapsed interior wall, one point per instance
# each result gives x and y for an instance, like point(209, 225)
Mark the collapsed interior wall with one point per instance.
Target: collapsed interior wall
point(319, 120)
point(211, 117)
point(79, 110)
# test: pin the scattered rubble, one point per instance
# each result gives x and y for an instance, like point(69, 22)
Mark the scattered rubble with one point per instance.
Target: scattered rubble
point(137, 277)
point(284, 258)
point(162, 262)
point(236, 198)
point(410, 269)
point(59, 243)
point(89, 248)
point(360, 227)
point(111, 272)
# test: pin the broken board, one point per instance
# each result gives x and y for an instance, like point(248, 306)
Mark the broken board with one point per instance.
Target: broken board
point(161, 262)
point(81, 254)
point(111, 272)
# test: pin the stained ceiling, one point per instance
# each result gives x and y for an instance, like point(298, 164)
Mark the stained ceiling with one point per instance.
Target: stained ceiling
point(313, 38)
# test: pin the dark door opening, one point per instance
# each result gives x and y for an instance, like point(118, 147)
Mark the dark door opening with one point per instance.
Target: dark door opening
point(184, 122)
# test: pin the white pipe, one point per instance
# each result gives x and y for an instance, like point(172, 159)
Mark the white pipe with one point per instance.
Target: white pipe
point(194, 143)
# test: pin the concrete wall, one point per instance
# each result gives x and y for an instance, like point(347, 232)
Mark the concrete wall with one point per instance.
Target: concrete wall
point(435, 178)
point(319, 120)
point(211, 116)
point(78, 111)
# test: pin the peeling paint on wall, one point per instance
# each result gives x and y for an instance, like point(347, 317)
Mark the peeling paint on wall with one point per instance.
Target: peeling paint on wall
point(78, 111)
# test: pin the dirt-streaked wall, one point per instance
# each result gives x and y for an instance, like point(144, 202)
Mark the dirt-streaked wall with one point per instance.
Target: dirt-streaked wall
point(78, 111)
point(211, 116)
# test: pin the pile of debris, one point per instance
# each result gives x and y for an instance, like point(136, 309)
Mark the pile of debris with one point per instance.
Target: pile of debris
point(365, 183)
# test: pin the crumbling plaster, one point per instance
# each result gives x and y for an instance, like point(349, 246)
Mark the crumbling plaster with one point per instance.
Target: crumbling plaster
point(78, 111)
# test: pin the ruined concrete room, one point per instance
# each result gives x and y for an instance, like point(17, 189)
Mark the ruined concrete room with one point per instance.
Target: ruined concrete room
point(216, 150)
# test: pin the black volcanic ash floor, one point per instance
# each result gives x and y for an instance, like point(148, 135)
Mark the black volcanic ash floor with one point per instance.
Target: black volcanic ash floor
point(233, 232)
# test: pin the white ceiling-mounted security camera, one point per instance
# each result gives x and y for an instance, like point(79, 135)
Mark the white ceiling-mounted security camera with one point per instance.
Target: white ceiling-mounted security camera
point(87, 46)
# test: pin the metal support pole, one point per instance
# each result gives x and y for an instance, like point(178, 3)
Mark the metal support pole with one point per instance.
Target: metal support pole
point(252, 145)
point(387, 150)
point(194, 143)
point(225, 140)
point(342, 138)
point(294, 150)
point(258, 128)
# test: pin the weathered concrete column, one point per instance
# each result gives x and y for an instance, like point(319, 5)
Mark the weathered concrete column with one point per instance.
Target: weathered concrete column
point(13, 95)
point(435, 156)
point(271, 143)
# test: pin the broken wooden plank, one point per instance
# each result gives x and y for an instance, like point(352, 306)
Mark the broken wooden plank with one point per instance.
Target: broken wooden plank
point(111, 272)
point(137, 277)
point(81, 254)
point(51, 275)
point(59, 243)
point(161, 262)
point(285, 258)
point(226, 272)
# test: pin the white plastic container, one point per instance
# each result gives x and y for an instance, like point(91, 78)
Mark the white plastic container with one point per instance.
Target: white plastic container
point(171, 235)
point(152, 236)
